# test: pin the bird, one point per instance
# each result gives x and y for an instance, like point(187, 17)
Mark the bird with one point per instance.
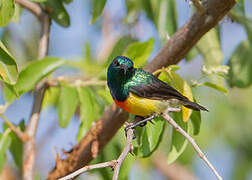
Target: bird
point(141, 93)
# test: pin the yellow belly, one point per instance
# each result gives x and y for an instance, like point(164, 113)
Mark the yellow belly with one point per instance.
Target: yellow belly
point(142, 106)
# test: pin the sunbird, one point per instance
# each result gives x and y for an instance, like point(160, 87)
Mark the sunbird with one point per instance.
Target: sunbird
point(141, 93)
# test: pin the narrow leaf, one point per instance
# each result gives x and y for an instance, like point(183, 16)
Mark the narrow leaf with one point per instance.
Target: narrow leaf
point(35, 72)
point(68, 101)
point(8, 66)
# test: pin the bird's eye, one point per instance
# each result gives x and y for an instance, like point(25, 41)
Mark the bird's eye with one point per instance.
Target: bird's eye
point(116, 63)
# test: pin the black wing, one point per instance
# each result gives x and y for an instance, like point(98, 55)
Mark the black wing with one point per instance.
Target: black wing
point(159, 90)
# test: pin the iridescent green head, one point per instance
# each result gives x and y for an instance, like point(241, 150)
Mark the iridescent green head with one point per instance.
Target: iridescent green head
point(119, 72)
point(121, 68)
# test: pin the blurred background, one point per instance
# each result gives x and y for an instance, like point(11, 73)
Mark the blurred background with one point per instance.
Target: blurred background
point(226, 131)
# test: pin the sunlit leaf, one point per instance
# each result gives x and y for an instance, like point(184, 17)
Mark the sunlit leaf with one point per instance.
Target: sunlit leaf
point(35, 72)
point(89, 110)
point(148, 137)
point(7, 8)
point(5, 142)
point(139, 52)
point(58, 12)
point(67, 103)
point(98, 6)
point(240, 74)
point(8, 66)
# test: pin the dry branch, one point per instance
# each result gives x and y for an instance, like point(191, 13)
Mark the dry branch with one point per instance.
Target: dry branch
point(173, 51)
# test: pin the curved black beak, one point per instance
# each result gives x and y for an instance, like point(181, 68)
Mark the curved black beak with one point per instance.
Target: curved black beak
point(123, 68)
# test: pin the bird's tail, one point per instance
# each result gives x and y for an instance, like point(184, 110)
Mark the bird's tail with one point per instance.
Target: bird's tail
point(193, 105)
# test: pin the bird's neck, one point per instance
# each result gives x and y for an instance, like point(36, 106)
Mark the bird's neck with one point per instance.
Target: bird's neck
point(118, 87)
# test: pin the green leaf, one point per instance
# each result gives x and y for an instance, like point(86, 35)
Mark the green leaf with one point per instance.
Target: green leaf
point(58, 12)
point(5, 142)
point(8, 66)
point(35, 72)
point(148, 137)
point(51, 97)
point(196, 121)
point(98, 6)
point(16, 147)
point(7, 8)
point(89, 110)
point(67, 104)
point(179, 142)
point(240, 73)
point(214, 86)
point(139, 52)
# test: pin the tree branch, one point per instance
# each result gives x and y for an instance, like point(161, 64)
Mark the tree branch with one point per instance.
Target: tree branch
point(90, 167)
point(191, 140)
point(31, 6)
point(21, 135)
point(31, 129)
point(173, 51)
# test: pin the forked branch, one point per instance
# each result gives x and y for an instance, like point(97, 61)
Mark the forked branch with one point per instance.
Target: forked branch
point(114, 164)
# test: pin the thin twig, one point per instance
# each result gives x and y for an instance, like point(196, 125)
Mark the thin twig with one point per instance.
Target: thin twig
point(191, 140)
point(114, 164)
point(90, 167)
point(31, 129)
point(126, 150)
point(199, 6)
point(21, 135)
point(31, 6)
